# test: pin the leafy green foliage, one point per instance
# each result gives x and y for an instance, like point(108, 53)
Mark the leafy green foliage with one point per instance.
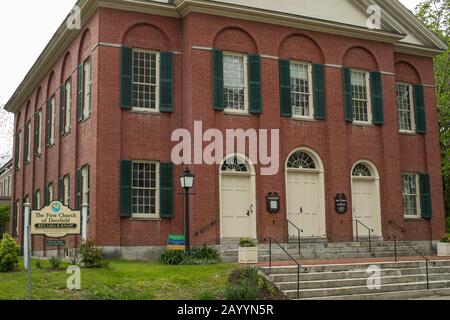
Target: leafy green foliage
point(247, 243)
point(199, 256)
point(91, 255)
point(446, 239)
point(55, 263)
point(448, 224)
point(9, 254)
point(248, 284)
point(436, 15)
point(4, 216)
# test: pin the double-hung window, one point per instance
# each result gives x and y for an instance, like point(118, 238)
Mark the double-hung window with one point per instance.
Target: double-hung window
point(235, 80)
point(361, 103)
point(411, 196)
point(27, 144)
point(38, 149)
point(85, 184)
point(68, 100)
point(19, 150)
point(301, 90)
point(145, 191)
point(146, 80)
point(405, 107)
point(52, 120)
point(87, 76)
point(51, 193)
point(65, 196)
point(37, 205)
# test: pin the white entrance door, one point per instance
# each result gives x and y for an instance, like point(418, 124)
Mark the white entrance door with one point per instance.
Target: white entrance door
point(304, 197)
point(238, 216)
point(366, 208)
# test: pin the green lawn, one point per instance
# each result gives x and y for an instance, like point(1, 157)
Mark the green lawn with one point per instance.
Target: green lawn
point(122, 280)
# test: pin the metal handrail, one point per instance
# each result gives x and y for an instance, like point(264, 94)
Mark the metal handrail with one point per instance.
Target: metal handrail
point(299, 231)
point(427, 261)
point(370, 232)
point(287, 253)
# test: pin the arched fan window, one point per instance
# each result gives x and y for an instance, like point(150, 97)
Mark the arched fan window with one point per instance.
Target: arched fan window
point(301, 160)
point(234, 164)
point(361, 170)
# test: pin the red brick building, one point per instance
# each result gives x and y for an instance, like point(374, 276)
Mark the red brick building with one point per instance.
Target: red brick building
point(355, 108)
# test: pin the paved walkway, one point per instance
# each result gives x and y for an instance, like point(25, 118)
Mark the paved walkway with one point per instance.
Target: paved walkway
point(350, 261)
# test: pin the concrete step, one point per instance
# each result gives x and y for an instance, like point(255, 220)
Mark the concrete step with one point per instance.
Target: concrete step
point(361, 266)
point(402, 295)
point(346, 255)
point(354, 274)
point(358, 290)
point(360, 282)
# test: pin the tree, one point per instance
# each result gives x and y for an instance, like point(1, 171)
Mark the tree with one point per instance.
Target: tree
point(6, 135)
point(4, 217)
point(436, 15)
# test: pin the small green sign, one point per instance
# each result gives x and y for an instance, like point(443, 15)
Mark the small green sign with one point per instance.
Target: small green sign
point(56, 243)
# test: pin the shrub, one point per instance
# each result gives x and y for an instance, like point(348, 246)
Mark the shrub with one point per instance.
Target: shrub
point(242, 291)
point(448, 224)
point(247, 243)
point(4, 217)
point(55, 263)
point(446, 239)
point(9, 254)
point(199, 256)
point(91, 255)
point(172, 257)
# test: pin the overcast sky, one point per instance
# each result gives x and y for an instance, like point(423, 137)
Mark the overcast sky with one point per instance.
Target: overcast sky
point(26, 26)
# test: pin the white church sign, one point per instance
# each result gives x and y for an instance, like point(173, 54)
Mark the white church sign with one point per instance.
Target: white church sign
point(55, 221)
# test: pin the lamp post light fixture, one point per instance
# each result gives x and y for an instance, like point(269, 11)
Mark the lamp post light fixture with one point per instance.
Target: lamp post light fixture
point(187, 182)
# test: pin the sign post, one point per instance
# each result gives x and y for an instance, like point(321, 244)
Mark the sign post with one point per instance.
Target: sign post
point(84, 222)
point(26, 235)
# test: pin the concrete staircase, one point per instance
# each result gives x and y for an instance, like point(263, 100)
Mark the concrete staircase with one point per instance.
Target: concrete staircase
point(324, 250)
point(402, 280)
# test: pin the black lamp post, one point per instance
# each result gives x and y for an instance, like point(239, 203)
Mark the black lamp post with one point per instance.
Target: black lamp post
point(187, 182)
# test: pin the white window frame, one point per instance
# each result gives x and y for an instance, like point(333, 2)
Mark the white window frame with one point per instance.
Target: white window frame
point(39, 148)
point(52, 120)
point(51, 192)
point(18, 214)
point(68, 98)
point(85, 188)
point(28, 159)
point(19, 155)
point(38, 200)
point(311, 91)
point(418, 196)
point(66, 184)
point(157, 213)
point(87, 83)
point(246, 85)
point(369, 97)
point(411, 102)
point(157, 87)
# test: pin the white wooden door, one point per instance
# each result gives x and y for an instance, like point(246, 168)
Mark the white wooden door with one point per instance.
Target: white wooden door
point(365, 207)
point(237, 211)
point(304, 194)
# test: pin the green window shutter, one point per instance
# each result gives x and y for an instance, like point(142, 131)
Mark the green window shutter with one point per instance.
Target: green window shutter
point(36, 133)
point(78, 181)
point(425, 196)
point(348, 107)
point(48, 124)
point(319, 92)
point(254, 84)
point(62, 116)
point(80, 101)
point(46, 196)
point(126, 191)
point(126, 79)
point(26, 142)
point(34, 206)
point(419, 105)
point(61, 190)
point(377, 97)
point(218, 90)
point(166, 82)
point(14, 222)
point(166, 190)
point(285, 87)
point(17, 150)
